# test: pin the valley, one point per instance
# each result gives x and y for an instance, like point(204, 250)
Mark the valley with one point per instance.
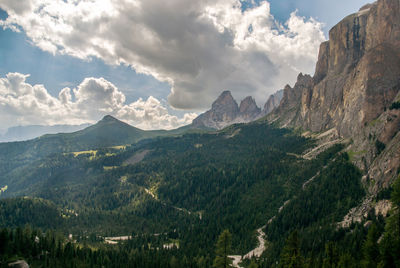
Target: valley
point(312, 180)
point(153, 188)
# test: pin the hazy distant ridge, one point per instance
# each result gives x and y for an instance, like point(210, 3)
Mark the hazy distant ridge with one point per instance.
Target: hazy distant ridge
point(21, 133)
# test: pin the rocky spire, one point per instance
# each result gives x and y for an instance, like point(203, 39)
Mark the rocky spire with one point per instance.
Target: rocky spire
point(248, 109)
point(225, 111)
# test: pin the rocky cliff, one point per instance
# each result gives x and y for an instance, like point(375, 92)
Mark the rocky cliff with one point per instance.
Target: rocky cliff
point(356, 81)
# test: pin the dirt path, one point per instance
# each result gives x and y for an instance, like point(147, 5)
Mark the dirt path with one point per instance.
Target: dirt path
point(184, 210)
point(319, 149)
point(257, 252)
point(253, 253)
point(261, 245)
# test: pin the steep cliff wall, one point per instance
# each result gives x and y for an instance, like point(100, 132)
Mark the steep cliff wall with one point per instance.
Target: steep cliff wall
point(356, 80)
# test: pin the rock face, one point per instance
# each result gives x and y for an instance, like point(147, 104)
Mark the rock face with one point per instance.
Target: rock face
point(272, 102)
point(248, 109)
point(225, 111)
point(356, 80)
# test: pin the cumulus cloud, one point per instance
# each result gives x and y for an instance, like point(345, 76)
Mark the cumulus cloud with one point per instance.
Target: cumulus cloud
point(24, 104)
point(199, 47)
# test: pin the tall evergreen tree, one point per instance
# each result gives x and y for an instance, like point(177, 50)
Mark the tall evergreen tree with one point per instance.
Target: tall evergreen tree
point(331, 255)
point(390, 244)
point(395, 198)
point(388, 252)
point(291, 256)
point(222, 250)
point(253, 264)
point(370, 248)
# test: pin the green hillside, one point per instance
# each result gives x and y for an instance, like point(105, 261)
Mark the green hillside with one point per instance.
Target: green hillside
point(190, 188)
point(108, 132)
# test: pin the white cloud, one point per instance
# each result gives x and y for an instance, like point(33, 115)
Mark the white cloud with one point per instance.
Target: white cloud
point(199, 47)
point(25, 104)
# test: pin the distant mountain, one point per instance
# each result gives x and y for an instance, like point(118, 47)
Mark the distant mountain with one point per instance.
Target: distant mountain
point(355, 92)
point(248, 109)
point(21, 133)
point(225, 111)
point(109, 131)
point(106, 133)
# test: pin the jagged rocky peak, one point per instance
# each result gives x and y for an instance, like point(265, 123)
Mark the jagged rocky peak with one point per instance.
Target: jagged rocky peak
point(225, 111)
point(248, 108)
point(272, 102)
point(292, 97)
point(226, 104)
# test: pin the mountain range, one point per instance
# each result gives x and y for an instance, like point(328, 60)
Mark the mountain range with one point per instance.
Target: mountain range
point(225, 111)
point(314, 170)
point(108, 132)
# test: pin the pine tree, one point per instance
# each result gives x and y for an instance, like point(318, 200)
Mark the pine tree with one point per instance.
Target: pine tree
point(201, 262)
point(387, 251)
point(253, 264)
point(390, 244)
point(395, 198)
point(346, 260)
point(223, 248)
point(370, 248)
point(173, 262)
point(4, 240)
point(291, 257)
point(331, 255)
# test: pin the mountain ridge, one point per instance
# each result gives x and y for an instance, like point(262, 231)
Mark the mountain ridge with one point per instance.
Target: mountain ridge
point(21, 133)
point(107, 132)
point(225, 111)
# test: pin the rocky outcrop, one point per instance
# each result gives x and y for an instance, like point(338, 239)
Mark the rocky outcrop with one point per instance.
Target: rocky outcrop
point(19, 264)
point(356, 80)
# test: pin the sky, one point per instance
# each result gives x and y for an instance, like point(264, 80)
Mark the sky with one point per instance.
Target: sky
point(154, 64)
